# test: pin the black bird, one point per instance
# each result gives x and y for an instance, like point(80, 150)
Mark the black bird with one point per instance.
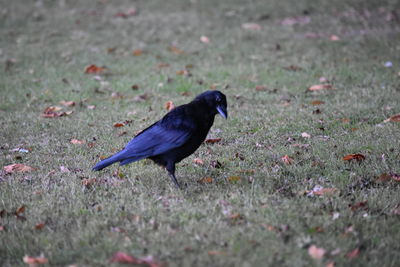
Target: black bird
point(176, 136)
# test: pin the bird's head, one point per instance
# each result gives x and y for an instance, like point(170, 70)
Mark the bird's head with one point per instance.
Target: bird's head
point(216, 101)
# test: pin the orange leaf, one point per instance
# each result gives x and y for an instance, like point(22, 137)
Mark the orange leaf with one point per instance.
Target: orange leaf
point(213, 140)
point(137, 52)
point(261, 88)
point(236, 216)
point(20, 210)
point(325, 191)
point(88, 181)
point(353, 254)
point(198, 161)
point(182, 72)
point(77, 142)
point(234, 178)
point(316, 252)
point(394, 118)
point(358, 157)
point(317, 102)
point(319, 87)
point(205, 180)
point(118, 124)
point(287, 160)
point(175, 50)
point(18, 168)
point(93, 69)
point(67, 103)
point(39, 226)
point(169, 105)
point(33, 261)
point(54, 111)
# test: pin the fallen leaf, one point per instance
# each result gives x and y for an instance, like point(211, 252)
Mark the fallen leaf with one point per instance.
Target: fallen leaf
point(236, 216)
point(251, 26)
point(67, 103)
point(121, 257)
point(213, 140)
point(325, 191)
point(64, 169)
point(215, 252)
point(18, 168)
point(88, 181)
point(345, 120)
point(2, 228)
point(198, 161)
point(305, 135)
point(204, 39)
point(318, 87)
point(205, 180)
point(234, 178)
point(54, 111)
point(162, 65)
point(316, 252)
point(169, 105)
point(34, 261)
point(358, 205)
point(91, 107)
point(39, 226)
point(317, 102)
point(130, 12)
point(137, 52)
point(118, 124)
point(394, 118)
point(142, 97)
point(301, 20)
point(175, 50)
point(93, 69)
point(122, 133)
point(353, 254)
point(182, 72)
point(334, 37)
point(20, 210)
point(358, 157)
point(287, 160)
point(116, 95)
point(261, 88)
point(77, 142)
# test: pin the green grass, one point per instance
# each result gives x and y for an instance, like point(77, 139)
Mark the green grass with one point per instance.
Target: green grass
point(140, 212)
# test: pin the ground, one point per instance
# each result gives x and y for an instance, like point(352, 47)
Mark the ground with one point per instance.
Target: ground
point(279, 192)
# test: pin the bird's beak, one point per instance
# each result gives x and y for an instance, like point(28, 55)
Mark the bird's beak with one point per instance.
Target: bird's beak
point(222, 111)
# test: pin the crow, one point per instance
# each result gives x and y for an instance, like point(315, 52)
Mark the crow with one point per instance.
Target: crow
point(176, 136)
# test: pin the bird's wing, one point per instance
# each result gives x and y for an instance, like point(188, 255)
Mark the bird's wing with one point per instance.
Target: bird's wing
point(169, 133)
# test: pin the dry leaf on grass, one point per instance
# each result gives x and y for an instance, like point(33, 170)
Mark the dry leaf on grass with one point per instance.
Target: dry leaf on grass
point(39, 226)
point(54, 111)
point(317, 102)
point(175, 50)
point(213, 140)
point(358, 157)
point(34, 261)
point(353, 254)
point(251, 26)
point(316, 252)
point(205, 180)
point(121, 257)
point(169, 105)
point(93, 69)
point(234, 178)
point(287, 160)
point(77, 142)
point(67, 103)
point(394, 118)
point(137, 52)
point(319, 87)
point(198, 161)
point(18, 168)
point(387, 177)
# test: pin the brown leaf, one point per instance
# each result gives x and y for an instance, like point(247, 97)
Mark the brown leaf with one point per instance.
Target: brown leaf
point(234, 178)
point(67, 103)
point(54, 111)
point(319, 87)
point(215, 252)
point(162, 65)
point(287, 160)
point(182, 72)
point(118, 124)
point(20, 210)
point(77, 142)
point(34, 261)
point(169, 105)
point(325, 191)
point(137, 52)
point(261, 88)
point(130, 12)
point(251, 26)
point(142, 97)
point(93, 69)
point(358, 157)
point(205, 180)
point(175, 50)
point(301, 20)
point(353, 254)
point(358, 205)
point(204, 39)
point(345, 120)
point(317, 102)
point(394, 118)
point(88, 181)
point(18, 168)
point(121, 257)
point(213, 140)
point(316, 252)
point(39, 226)
point(198, 161)
point(116, 95)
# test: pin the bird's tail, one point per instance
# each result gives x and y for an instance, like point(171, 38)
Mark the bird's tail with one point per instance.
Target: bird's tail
point(119, 157)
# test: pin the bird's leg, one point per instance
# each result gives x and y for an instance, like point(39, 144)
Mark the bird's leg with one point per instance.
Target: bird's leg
point(171, 171)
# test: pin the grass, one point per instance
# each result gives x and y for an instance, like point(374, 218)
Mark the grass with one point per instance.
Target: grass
point(265, 218)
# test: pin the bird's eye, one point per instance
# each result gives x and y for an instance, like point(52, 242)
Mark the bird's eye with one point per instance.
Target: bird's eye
point(218, 98)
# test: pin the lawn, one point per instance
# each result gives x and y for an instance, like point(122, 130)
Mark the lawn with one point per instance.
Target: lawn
point(308, 83)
